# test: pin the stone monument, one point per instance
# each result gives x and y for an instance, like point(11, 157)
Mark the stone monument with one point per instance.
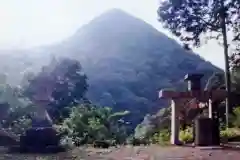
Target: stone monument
point(41, 137)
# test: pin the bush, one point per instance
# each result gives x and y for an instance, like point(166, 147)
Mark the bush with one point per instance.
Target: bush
point(162, 137)
point(186, 136)
point(235, 117)
point(230, 134)
point(137, 141)
point(88, 124)
point(67, 142)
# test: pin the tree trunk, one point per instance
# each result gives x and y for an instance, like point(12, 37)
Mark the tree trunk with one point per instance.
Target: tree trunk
point(227, 72)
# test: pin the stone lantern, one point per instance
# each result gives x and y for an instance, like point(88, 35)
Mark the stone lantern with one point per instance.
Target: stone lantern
point(42, 137)
point(41, 97)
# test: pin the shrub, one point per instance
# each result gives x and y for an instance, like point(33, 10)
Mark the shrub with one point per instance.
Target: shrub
point(137, 141)
point(87, 125)
point(162, 137)
point(186, 135)
point(229, 134)
point(235, 118)
point(67, 142)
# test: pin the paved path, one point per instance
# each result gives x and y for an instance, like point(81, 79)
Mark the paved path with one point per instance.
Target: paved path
point(173, 153)
point(152, 152)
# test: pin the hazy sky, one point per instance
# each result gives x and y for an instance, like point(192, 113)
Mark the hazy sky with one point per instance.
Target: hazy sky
point(28, 23)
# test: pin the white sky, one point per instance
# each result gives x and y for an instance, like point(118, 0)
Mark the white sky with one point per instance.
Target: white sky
point(28, 23)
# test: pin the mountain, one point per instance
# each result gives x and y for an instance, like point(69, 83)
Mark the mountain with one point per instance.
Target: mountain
point(127, 62)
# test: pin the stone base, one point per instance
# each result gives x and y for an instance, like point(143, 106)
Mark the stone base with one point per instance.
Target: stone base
point(40, 137)
point(39, 140)
point(209, 147)
point(29, 149)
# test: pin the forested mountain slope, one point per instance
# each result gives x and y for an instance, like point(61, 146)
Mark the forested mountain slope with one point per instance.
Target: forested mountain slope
point(127, 62)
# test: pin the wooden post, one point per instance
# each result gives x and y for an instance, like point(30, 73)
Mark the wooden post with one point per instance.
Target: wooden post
point(175, 123)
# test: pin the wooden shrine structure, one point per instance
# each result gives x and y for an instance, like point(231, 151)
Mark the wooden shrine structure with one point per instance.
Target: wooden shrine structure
point(194, 91)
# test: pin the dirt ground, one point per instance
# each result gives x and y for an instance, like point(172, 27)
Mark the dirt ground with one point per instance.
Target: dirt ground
point(152, 152)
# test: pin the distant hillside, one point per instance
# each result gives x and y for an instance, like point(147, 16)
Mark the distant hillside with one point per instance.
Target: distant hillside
point(126, 60)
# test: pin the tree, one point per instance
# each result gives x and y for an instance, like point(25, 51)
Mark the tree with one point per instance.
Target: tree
point(152, 124)
point(15, 110)
point(66, 82)
point(216, 81)
point(191, 19)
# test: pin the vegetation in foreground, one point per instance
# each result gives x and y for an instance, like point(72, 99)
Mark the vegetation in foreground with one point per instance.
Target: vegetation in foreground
point(80, 122)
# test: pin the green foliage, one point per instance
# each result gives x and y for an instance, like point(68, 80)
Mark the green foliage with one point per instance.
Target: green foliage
point(162, 137)
point(17, 121)
point(153, 123)
point(143, 131)
point(191, 17)
point(19, 125)
point(215, 81)
point(65, 83)
point(15, 110)
point(193, 20)
point(186, 135)
point(236, 78)
point(130, 139)
point(227, 133)
point(235, 117)
point(230, 134)
point(126, 76)
point(88, 123)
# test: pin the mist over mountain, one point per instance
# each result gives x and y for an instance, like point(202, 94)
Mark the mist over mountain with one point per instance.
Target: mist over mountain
point(127, 62)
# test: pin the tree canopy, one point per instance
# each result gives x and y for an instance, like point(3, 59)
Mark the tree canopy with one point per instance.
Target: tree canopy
point(66, 83)
point(192, 20)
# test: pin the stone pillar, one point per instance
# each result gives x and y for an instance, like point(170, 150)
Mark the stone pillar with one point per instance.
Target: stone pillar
point(210, 109)
point(42, 118)
point(175, 123)
point(194, 84)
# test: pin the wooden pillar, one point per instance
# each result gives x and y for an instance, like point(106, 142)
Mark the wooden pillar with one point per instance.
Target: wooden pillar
point(175, 123)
